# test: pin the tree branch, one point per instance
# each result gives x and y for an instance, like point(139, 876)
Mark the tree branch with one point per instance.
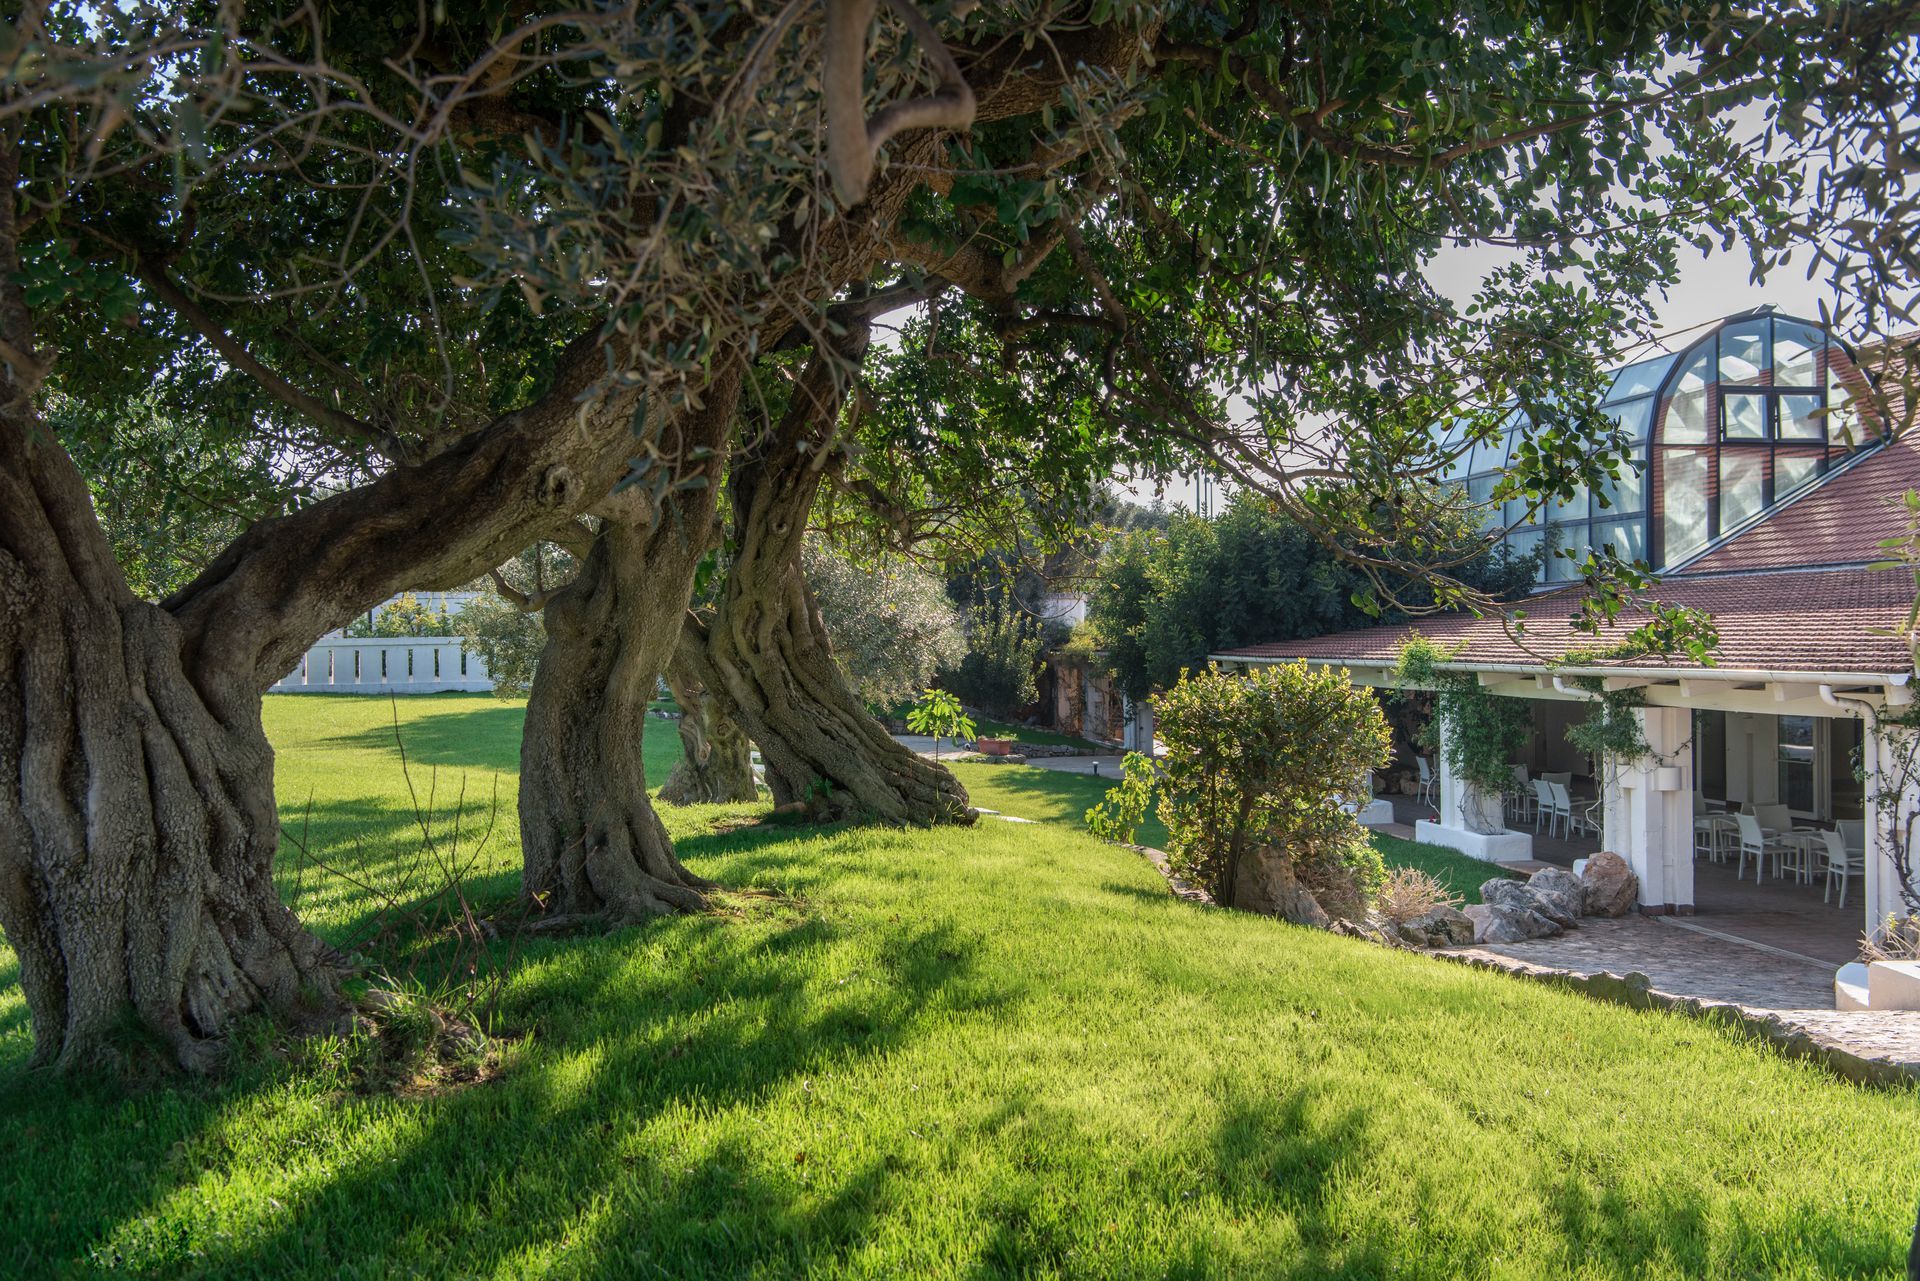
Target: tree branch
point(853, 138)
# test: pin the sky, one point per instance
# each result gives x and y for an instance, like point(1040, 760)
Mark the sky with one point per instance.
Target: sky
point(1710, 286)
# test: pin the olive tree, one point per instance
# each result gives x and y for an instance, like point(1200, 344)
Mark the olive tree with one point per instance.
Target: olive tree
point(509, 270)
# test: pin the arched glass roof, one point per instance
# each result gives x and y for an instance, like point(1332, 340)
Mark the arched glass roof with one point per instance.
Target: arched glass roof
point(1723, 430)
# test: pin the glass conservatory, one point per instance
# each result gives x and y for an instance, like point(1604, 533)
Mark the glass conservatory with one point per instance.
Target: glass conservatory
point(1724, 429)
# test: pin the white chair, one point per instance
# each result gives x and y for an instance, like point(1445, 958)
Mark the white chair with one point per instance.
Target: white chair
point(1580, 818)
point(1756, 842)
point(1426, 779)
point(1554, 806)
point(1521, 801)
point(1854, 832)
point(1843, 863)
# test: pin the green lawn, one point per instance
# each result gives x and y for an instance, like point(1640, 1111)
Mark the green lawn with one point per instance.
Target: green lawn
point(1002, 1051)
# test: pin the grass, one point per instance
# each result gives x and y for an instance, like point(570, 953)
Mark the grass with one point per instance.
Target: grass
point(1461, 873)
point(1003, 1051)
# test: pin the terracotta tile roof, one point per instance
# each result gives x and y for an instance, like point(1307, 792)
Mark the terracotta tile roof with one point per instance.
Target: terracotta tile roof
point(1789, 621)
point(1842, 520)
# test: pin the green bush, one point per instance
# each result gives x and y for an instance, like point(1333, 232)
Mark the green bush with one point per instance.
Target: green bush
point(1262, 764)
point(1119, 814)
point(405, 615)
point(996, 674)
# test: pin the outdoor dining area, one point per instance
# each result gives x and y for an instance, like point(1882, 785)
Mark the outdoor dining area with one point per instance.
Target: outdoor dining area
point(1766, 837)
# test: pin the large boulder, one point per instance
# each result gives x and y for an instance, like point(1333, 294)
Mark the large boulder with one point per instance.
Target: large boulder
point(1608, 886)
point(1267, 885)
point(1522, 897)
point(1500, 923)
point(1439, 926)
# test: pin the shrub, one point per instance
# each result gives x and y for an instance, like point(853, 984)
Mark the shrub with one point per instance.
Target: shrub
point(1119, 814)
point(996, 674)
point(1409, 892)
point(507, 638)
point(1259, 765)
point(405, 615)
point(939, 713)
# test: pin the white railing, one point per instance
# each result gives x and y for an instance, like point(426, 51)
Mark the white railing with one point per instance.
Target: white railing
point(383, 665)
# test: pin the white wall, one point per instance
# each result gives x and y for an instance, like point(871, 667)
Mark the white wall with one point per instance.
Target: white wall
point(378, 665)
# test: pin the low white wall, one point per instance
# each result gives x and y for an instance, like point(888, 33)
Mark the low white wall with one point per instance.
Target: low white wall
point(381, 665)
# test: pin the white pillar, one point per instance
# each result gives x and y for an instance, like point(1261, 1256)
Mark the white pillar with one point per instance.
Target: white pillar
point(1649, 811)
point(1465, 811)
point(1886, 815)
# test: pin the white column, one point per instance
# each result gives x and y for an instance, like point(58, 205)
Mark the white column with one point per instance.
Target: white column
point(1886, 816)
point(1464, 810)
point(1649, 811)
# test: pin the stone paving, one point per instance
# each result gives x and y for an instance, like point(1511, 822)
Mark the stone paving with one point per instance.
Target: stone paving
point(1685, 960)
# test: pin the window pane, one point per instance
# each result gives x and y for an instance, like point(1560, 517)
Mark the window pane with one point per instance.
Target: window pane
point(1628, 538)
point(1746, 416)
point(1480, 488)
point(1843, 421)
point(1794, 346)
point(1686, 421)
point(1633, 418)
point(1683, 528)
point(1517, 512)
point(1743, 351)
point(1796, 762)
point(1801, 419)
point(1572, 508)
point(1741, 472)
point(1562, 568)
point(1641, 378)
point(1626, 494)
point(1791, 471)
point(1524, 543)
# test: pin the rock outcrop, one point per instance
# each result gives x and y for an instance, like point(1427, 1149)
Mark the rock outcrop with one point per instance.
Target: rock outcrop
point(1608, 886)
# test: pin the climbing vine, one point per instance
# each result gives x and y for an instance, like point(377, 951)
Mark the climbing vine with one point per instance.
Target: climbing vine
point(1611, 733)
point(1485, 731)
point(1889, 787)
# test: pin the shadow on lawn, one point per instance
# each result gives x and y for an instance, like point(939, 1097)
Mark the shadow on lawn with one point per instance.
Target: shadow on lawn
point(478, 738)
point(624, 1043)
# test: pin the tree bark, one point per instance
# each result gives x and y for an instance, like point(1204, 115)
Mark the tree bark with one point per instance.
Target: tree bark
point(766, 648)
point(716, 758)
point(137, 826)
point(591, 843)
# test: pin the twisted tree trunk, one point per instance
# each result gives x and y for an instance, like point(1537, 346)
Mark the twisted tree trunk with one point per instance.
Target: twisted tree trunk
point(137, 823)
point(764, 645)
point(591, 843)
point(716, 758)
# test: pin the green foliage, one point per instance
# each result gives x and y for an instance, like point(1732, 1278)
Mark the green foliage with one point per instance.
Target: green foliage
point(891, 624)
point(997, 672)
point(404, 615)
point(1121, 811)
point(939, 713)
point(169, 493)
point(1265, 760)
point(1610, 731)
point(507, 638)
point(1485, 731)
point(1163, 599)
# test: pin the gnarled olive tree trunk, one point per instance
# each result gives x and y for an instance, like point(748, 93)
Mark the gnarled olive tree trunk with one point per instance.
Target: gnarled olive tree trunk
point(591, 843)
point(137, 822)
point(716, 759)
point(765, 646)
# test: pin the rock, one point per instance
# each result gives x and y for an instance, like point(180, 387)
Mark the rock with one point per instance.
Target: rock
point(1440, 926)
point(1608, 886)
point(1563, 910)
point(1557, 880)
point(1503, 923)
point(1266, 884)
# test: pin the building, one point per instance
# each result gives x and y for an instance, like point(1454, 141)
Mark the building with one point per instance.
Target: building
point(342, 664)
point(1766, 476)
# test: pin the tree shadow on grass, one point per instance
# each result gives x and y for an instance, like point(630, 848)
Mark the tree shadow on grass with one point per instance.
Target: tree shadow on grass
point(578, 1150)
point(478, 738)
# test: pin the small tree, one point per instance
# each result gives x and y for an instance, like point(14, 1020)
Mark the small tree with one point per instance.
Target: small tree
point(1121, 811)
point(939, 713)
point(507, 638)
point(1267, 764)
point(1003, 654)
point(405, 615)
